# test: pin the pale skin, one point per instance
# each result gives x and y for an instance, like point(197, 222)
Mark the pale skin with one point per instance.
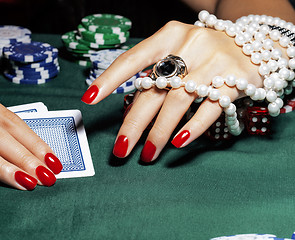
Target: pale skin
point(207, 53)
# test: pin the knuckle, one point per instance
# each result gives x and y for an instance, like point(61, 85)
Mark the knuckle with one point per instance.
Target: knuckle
point(172, 25)
point(25, 160)
point(132, 124)
point(159, 133)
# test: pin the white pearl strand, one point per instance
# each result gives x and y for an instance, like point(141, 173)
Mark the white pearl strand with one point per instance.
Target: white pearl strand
point(251, 34)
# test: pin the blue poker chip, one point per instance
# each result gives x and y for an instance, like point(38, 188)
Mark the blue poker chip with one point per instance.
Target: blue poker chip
point(29, 52)
point(48, 62)
point(11, 34)
point(104, 58)
point(34, 71)
point(17, 78)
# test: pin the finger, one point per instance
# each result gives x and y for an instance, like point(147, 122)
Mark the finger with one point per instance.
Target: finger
point(144, 54)
point(15, 177)
point(141, 114)
point(206, 115)
point(29, 139)
point(15, 153)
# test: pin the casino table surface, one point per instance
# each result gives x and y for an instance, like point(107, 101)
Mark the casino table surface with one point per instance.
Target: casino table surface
point(202, 191)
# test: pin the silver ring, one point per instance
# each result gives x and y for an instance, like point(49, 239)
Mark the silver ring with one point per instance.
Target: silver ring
point(169, 67)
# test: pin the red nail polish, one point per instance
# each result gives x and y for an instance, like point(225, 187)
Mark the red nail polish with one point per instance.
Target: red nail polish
point(148, 152)
point(25, 180)
point(181, 138)
point(53, 163)
point(90, 94)
point(46, 177)
point(121, 145)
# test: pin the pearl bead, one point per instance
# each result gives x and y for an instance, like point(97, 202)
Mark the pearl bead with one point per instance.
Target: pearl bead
point(217, 81)
point(292, 63)
point(231, 31)
point(256, 58)
point(264, 29)
point(284, 73)
point(231, 117)
point(248, 49)
point(146, 83)
point(199, 24)
point(276, 54)
point(284, 41)
point(198, 100)
point(266, 55)
point(263, 69)
point(271, 96)
point(261, 93)
point(275, 35)
point(250, 90)
point(255, 96)
point(211, 20)
point(257, 45)
point(190, 86)
point(291, 76)
point(273, 107)
point(267, 44)
point(161, 82)
point(137, 83)
point(282, 63)
point(214, 94)
point(279, 84)
point(279, 102)
point(259, 36)
point(202, 90)
point(224, 101)
point(231, 109)
point(268, 82)
point(291, 52)
point(241, 84)
point(240, 40)
point(175, 82)
point(203, 15)
point(230, 80)
point(219, 25)
point(272, 64)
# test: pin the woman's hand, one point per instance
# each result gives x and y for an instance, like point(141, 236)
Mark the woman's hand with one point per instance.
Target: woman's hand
point(25, 160)
point(206, 52)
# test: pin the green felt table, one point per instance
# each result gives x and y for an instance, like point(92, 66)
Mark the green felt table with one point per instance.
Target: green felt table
point(202, 191)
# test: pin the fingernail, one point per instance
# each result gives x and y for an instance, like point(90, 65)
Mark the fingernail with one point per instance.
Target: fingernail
point(181, 138)
point(121, 145)
point(90, 94)
point(53, 163)
point(25, 180)
point(46, 177)
point(148, 152)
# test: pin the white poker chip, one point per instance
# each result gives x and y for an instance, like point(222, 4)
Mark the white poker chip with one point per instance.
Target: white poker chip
point(11, 34)
point(289, 107)
point(104, 58)
point(250, 237)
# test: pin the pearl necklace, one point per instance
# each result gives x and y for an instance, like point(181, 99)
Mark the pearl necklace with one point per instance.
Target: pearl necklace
point(256, 38)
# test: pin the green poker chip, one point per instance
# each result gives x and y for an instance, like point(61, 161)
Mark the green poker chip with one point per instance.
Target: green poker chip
point(100, 37)
point(96, 45)
point(71, 41)
point(106, 23)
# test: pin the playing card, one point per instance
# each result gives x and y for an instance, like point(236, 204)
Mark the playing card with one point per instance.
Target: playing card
point(64, 132)
point(29, 108)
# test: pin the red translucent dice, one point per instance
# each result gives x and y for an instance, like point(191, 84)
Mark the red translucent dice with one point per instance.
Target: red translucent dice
point(258, 121)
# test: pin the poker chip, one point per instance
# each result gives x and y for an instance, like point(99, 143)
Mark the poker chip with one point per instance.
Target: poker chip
point(289, 106)
point(31, 63)
point(95, 33)
point(12, 34)
point(28, 52)
point(250, 237)
point(104, 58)
point(106, 23)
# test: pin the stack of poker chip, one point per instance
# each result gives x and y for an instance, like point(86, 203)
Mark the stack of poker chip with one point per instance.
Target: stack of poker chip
point(101, 61)
point(12, 34)
point(31, 63)
point(94, 33)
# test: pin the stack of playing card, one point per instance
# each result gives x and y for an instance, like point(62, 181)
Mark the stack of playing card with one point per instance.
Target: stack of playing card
point(64, 132)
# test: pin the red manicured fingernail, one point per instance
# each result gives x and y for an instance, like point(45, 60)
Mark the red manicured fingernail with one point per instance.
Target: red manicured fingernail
point(181, 138)
point(53, 163)
point(25, 180)
point(121, 145)
point(46, 177)
point(148, 152)
point(90, 94)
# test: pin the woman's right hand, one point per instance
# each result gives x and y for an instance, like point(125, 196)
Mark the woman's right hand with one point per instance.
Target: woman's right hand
point(25, 159)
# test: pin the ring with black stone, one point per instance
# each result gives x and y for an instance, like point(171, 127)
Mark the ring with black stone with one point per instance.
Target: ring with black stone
point(169, 67)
